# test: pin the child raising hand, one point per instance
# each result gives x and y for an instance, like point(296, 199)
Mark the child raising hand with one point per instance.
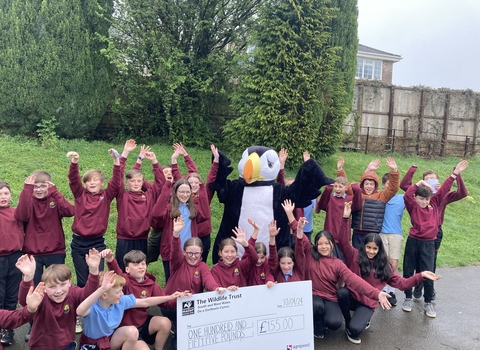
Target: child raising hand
point(261, 273)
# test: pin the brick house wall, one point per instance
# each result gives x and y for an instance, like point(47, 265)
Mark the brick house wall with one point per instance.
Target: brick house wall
point(387, 71)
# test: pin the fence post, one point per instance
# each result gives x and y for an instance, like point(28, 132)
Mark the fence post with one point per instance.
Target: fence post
point(366, 142)
point(445, 125)
point(420, 121)
point(393, 141)
point(475, 126)
point(391, 109)
point(405, 134)
point(465, 152)
point(360, 112)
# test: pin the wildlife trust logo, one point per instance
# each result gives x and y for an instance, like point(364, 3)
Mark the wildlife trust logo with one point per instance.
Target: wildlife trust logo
point(298, 346)
point(188, 307)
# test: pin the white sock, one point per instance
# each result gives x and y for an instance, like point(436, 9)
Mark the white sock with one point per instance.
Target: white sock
point(389, 289)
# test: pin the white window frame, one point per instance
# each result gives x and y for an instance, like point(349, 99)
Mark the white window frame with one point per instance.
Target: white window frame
point(363, 63)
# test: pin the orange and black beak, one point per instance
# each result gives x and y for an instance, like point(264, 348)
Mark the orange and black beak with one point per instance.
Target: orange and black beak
point(251, 170)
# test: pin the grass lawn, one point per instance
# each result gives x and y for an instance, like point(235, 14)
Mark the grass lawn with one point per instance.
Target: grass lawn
point(21, 156)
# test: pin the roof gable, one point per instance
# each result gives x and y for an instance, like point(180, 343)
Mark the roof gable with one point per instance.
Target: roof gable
point(370, 52)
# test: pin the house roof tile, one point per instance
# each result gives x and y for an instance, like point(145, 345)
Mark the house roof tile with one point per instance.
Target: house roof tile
point(371, 50)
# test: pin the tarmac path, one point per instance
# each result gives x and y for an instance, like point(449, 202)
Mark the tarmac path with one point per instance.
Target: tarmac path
point(457, 325)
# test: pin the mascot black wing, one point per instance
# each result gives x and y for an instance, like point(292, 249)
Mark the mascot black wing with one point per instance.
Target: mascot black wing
point(256, 195)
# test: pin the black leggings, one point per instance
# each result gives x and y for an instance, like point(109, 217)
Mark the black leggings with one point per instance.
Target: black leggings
point(357, 323)
point(153, 245)
point(326, 314)
point(206, 241)
point(80, 247)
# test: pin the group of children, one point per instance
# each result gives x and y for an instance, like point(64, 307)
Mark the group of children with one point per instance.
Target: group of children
point(171, 217)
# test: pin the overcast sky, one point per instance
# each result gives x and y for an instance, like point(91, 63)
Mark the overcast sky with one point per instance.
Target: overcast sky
point(439, 40)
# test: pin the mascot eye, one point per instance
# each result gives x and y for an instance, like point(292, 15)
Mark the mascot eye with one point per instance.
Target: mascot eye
point(270, 165)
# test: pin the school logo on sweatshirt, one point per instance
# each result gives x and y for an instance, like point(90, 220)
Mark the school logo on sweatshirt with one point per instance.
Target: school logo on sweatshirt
point(236, 271)
point(188, 307)
point(196, 274)
point(52, 205)
point(144, 198)
point(66, 309)
point(143, 294)
point(101, 198)
point(262, 275)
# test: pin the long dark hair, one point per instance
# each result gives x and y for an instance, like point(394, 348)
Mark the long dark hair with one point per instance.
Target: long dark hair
point(315, 254)
point(175, 203)
point(382, 267)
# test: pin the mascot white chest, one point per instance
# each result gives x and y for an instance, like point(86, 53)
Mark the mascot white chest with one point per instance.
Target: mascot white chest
point(257, 204)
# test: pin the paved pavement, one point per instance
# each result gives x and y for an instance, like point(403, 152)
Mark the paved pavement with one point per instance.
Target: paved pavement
point(457, 325)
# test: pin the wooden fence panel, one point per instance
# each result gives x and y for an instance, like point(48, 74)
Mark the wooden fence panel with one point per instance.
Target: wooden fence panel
point(422, 121)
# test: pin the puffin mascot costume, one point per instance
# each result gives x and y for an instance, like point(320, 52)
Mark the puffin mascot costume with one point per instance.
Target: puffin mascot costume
point(257, 196)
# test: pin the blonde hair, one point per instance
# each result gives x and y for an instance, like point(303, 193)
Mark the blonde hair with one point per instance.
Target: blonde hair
point(118, 280)
point(194, 175)
point(342, 180)
point(225, 243)
point(193, 242)
point(90, 174)
point(57, 273)
point(41, 176)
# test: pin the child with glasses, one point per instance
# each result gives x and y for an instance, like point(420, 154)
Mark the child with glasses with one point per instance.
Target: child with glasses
point(176, 201)
point(188, 271)
point(41, 207)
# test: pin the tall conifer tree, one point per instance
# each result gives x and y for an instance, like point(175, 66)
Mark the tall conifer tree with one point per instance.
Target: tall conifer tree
point(52, 65)
point(344, 37)
point(295, 83)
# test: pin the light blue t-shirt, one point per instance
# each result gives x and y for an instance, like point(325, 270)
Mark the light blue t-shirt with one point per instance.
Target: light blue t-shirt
point(392, 220)
point(186, 231)
point(308, 212)
point(287, 275)
point(101, 322)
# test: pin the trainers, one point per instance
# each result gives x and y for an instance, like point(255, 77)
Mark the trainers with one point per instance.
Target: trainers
point(393, 299)
point(318, 334)
point(417, 292)
point(173, 342)
point(79, 325)
point(407, 304)
point(29, 333)
point(354, 340)
point(429, 310)
point(7, 337)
